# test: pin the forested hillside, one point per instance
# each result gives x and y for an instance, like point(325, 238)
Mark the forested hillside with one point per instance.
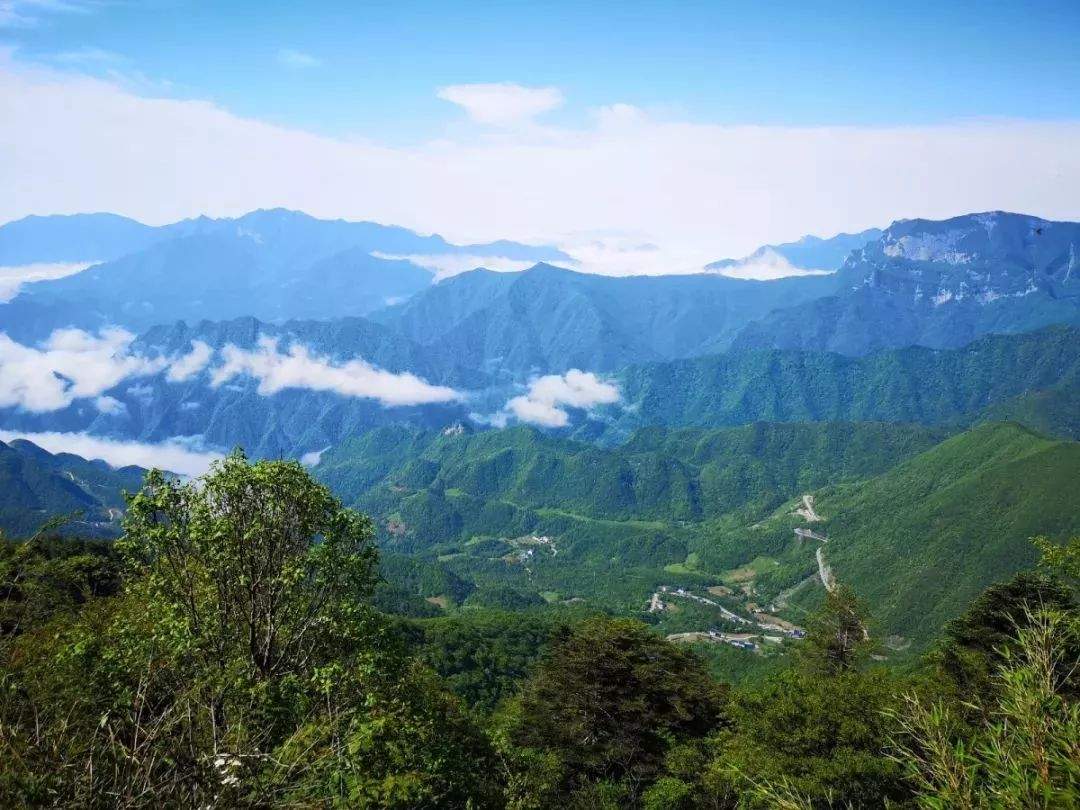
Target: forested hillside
point(36, 485)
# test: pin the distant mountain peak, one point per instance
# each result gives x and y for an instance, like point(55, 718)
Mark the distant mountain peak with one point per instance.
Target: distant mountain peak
point(809, 255)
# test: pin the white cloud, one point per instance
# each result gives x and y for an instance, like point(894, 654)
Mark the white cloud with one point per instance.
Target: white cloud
point(707, 190)
point(502, 104)
point(71, 364)
point(313, 458)
point(766, 264)
point(298, 368)
point(297, 59)
point(110, 406)
point(545, 402)
point(185, 367)
point(13, 277)
point(178, 455)
point(453, 264)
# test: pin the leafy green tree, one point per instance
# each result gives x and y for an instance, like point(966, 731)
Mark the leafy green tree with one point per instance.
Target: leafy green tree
point(241, 666)
point(977, 643)
point(608, 701)
point(820, 737)
point(837, 638)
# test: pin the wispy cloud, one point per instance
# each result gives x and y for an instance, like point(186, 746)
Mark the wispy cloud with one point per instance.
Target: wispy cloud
point(28, 13)
point(178, 455)
point(13, 277)
point(89, 55)
point(73, 364)
point(76, 365)
point(299, 368)
point(297, 59)
point(187, 366)
point(452, 264)
point(502, 104)
point(548, 397)
point(766, 264)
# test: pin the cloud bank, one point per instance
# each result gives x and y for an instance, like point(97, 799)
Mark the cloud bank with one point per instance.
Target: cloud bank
point(547, 398)
point(298, 368)
point(70, 365)
point(708, 190)
point(73, 364)
point(177, 455)
point(767, 264)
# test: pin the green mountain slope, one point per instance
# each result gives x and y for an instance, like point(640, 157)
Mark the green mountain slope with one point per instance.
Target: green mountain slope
point(1053, 411)
point(683, 475)
point(920, 542)
point(36, 485)
point(904, 385)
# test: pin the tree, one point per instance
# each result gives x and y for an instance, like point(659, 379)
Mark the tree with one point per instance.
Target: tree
point(977, 643)
point(608, 700)
point(257, 559)
point(805, 734)
point(242, 665)
point(837, 639)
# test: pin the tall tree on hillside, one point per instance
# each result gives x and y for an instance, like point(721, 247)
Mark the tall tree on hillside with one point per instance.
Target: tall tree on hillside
point(605, 706)
point(241, 666)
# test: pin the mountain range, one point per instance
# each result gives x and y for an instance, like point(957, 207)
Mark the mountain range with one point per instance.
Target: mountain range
point(938, 284)
point(808, 255)
point(271, 264)
point(921, 392)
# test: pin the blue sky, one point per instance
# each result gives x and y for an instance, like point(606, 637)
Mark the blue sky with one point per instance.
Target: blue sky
point(639, 137)
point(348, 68)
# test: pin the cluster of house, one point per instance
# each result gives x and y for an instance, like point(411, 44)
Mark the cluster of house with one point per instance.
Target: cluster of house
point(745, 641)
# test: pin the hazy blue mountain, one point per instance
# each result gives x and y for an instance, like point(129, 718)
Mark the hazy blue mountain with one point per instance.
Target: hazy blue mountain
point(274, 265)
point(906, 385)
point(217, 277)
point(938, 284)
point(290, 422)
point(547, 319)
point(74, 238)
point(808, 253)
point(36, 485)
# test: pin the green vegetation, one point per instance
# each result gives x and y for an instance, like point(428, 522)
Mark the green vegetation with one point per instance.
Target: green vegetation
point(920, 542)
point(902, 385)
point(36, 485)
point(228, 652)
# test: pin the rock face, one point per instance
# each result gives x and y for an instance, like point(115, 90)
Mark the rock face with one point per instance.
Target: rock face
point(939, 284)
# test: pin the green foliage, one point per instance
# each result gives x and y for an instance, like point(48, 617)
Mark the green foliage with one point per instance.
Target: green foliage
point(921, 541)
point(47, 575)
point(977, 644)
point(1026, 752)
point(241, 666)
point(608, 700)
point(483, 655)
point(837, 638)
point(822, 737)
